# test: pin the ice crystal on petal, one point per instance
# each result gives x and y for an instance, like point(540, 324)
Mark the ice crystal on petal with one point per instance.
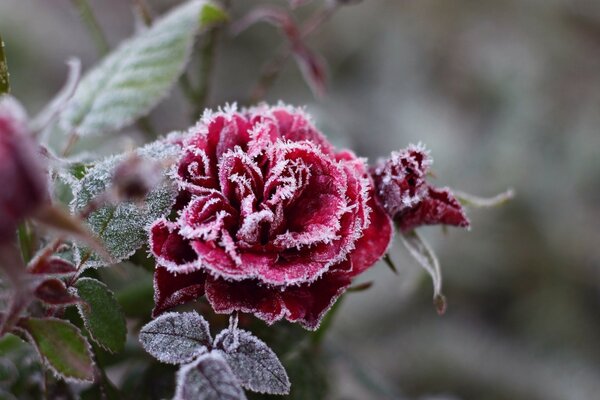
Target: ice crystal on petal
point(254, 364)
point(266, 201)
point(208, 378)
point(176, 338)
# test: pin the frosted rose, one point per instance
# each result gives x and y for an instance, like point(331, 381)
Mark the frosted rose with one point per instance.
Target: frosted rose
point(408, 198)
point(24, 186)
point(272, 220)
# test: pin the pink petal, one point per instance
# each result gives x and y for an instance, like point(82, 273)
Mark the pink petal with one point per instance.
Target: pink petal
point(305, 304)
point(170, 248)
point(375, 240)
point(438, 207)
point(171, 289)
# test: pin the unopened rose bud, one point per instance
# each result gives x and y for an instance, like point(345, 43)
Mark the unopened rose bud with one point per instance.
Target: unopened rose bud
point(408, 198)
point(135, 177)
point(22, 175)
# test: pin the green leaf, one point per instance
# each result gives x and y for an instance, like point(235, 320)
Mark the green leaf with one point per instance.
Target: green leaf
point(133, 78)
point(121, 227)
point(102, 315)
point(62, 347)
point(4, 82)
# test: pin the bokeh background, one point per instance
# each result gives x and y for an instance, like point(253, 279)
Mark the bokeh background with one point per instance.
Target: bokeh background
point(504, 94)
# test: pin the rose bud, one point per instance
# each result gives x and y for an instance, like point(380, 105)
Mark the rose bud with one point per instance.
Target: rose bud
point(135, 177)
point(408, 198)
point(23, 177)
point(275, 221)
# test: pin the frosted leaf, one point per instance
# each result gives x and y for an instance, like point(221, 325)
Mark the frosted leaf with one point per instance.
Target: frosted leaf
point(176, 338)
point(254, 364)
point(122, 227)
point(208, 378)
point(425, 256)
point(133, 78)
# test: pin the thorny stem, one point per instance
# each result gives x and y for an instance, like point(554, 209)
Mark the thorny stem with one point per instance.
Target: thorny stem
point(88, 17)
point(271, 70)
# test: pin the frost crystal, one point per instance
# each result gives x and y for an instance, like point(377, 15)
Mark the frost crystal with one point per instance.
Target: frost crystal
point(254, 364)
point(176, 338)
point(122, 226)
point(269, 214)
point(208, 378)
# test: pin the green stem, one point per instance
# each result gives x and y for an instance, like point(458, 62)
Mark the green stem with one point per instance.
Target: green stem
point(4, 82)
point(89, 19)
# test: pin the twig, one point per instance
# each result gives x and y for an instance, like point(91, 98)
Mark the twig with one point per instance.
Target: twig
point(88, 17)
point(144, 11)
point(272, 69)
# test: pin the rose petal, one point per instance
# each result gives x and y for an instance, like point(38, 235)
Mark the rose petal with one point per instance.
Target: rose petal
point(375, 240)
point(171, 289)
point(304, 304)
point(438, 207)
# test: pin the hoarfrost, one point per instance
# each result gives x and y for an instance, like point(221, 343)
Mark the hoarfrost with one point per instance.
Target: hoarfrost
point(254, 364)
point(133, 78)
point(208, 378)
point(176, 338)
point(122, 227)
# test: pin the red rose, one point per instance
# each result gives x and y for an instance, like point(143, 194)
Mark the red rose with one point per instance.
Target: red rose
point(408, 198)
point(272, 219)
point(24, 186)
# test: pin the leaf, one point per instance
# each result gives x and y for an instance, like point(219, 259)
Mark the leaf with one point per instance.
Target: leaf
point(176, 338)
point(254, 364)
point(208, 378)
point(121, 227)
point(101, 314)
point(480, 202)
point(4, 82)
point(424, 255)
point(62, 347)
point(54, 292)
point(133, 78)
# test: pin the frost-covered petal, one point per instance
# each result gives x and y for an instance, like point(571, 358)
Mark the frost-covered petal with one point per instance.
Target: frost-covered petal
point(170, 249)
point(171, 290)
point(305, 304)
point(438, 207)
point(375, 240)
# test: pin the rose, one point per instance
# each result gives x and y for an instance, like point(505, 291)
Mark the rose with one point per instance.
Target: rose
point(271, 220)
point(408, 198)
point(24, 186)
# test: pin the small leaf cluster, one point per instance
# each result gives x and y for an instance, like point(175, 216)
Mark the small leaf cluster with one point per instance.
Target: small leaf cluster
point(213, 369)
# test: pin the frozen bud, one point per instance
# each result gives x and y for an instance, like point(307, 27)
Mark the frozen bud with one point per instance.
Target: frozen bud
point(24, 185)
point(135, 177)
point(408, 198)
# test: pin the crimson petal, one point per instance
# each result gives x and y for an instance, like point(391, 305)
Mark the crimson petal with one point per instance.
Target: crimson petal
point(171, 289)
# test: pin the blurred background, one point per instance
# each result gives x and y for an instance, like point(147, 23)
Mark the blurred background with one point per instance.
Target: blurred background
point(504, 94)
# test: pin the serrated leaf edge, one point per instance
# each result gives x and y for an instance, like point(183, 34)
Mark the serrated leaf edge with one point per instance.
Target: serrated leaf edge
point(49, 366)
point(85, 320)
